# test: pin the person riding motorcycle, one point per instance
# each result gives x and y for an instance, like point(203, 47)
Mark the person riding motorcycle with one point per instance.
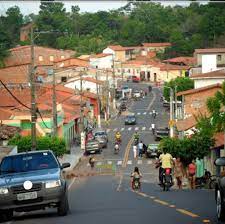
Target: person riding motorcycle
point(135, 175)
point(136, 136)
point(166, 161)
point(118, 137)
point(116, 147)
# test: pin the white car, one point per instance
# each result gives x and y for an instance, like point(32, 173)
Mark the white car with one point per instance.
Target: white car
point(137, 94)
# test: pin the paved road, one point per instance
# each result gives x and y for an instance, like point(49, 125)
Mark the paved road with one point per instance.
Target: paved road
point(109, 199)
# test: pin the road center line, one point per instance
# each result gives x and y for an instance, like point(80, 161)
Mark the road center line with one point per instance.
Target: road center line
point(183, 211)
point(153, 99)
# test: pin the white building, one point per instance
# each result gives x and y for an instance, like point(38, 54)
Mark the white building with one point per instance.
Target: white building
point(88, 84)
point(209, 78)
point(101, 61)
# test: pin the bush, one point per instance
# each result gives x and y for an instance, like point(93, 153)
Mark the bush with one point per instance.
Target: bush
point(57, 145)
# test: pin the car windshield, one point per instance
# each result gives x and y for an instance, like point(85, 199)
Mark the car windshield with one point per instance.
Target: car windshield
point(130, 117)
point(102, 133)
point(28, 162)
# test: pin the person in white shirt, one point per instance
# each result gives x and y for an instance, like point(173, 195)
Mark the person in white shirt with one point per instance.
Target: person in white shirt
point(153, 128)
point(135, 151)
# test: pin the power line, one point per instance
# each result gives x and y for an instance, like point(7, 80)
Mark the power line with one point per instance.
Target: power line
point(42, 119)
point(14, 97)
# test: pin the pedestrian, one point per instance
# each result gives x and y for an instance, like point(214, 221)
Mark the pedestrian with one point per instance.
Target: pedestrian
point(153, 129)
point(140, 148)
point(144, 149)
point(200, 171)
point(154, 114)
point(178, 172)
point(191, 174)
point(135, 151)
point(149, 88)
point(92, 162)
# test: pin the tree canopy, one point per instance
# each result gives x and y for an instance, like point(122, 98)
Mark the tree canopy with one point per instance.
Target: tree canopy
point(187, 28)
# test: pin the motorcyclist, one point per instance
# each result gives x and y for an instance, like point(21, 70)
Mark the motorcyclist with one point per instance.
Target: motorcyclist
point(135, 175)
point(118, 137)
point(154, 113)
point(166, 161)
point(136, 136)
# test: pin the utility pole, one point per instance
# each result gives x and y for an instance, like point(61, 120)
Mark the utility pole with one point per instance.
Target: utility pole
point(81, 106)
point(175, 95)
point(32, 92)
point(107, 96)
point(55, 125)
point(171, 112)
point(114, 85)
point(97, 90)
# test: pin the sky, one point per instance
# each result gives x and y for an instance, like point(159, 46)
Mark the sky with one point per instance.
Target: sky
point(28, 7)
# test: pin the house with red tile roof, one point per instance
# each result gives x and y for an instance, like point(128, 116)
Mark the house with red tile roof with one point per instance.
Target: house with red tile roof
point(19, 74)
point(42, 55)
point(119, 52)
point(12, 113)
point(188, 61)
point(156, 47)
point(152, 69)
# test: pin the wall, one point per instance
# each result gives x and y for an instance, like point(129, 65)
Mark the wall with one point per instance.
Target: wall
point(85, 85)
point(206, 82)
point(195, 103)
point(199, 59)
point(104, 62)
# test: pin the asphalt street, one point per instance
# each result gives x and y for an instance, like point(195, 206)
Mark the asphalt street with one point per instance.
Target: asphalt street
point(109, 199)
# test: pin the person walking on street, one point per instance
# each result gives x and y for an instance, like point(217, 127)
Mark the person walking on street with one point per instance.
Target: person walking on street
point(153, 129)
point(135, 151)
point(191, 174)
point(178, 172)
point(140, 149)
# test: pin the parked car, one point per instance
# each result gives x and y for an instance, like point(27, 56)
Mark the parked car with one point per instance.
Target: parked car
point(161, 133)
point(32, 181)
point(220, 191)
point(130, 119)
point(93, 146)
point(135, 79)
point(153, 150)
point(101, 136)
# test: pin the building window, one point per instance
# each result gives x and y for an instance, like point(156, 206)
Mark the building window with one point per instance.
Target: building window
point(219, 57)
point(40, 58)
point(62, 56)
point(51, 58)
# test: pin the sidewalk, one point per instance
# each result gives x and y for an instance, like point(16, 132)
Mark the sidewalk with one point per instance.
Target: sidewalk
point(73, 158)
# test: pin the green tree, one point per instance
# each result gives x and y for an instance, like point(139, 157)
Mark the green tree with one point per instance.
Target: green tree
point(182, 83)
point(216, 107)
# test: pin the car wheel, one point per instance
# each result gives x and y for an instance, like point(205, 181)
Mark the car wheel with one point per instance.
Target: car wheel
point(220, 208)
point(63, 206)
point(7, 215)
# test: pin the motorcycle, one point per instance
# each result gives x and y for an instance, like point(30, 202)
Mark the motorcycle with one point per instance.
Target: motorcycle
point(208, 180)
point(116, 148)
point(136, 141)
point(136, 184)
point(167, 180)
point(118, 140)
